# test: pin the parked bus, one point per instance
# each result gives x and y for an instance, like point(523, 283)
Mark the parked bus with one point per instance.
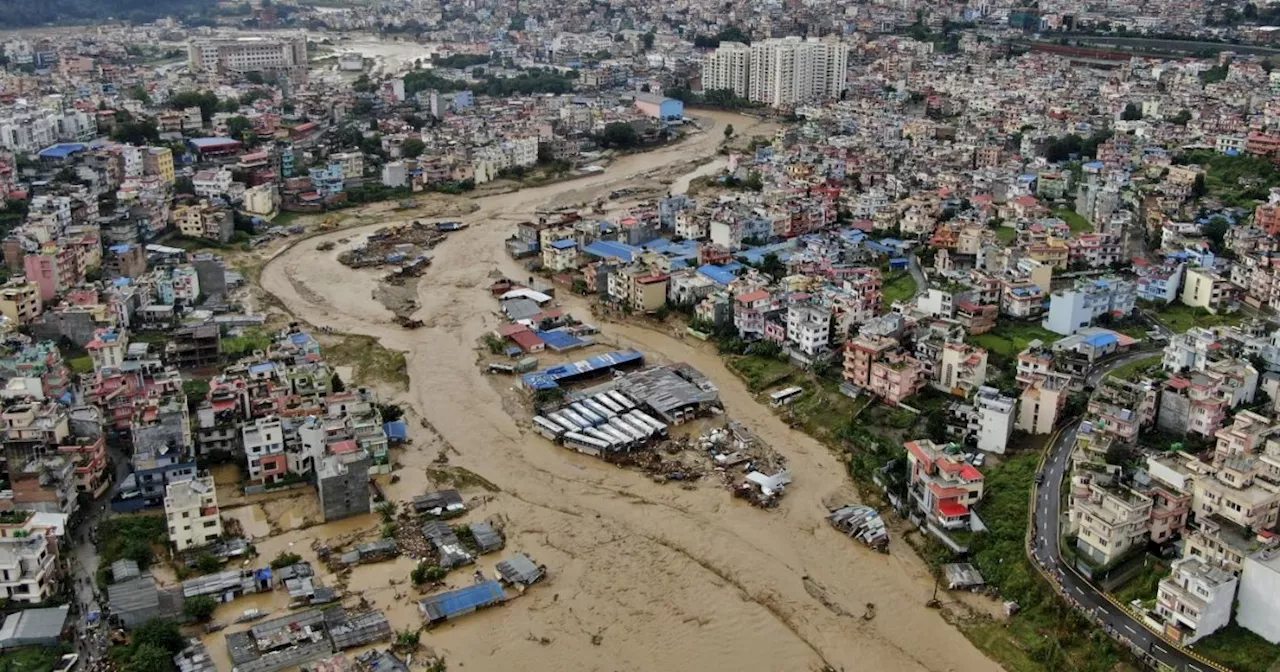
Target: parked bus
point(621, 438)
point(640, 425)
point(615, 442)
point(576, 418)
point(621, 399)
point(620, 425)
point(784, 397)
point(548, 428)
point(604, 400)
point(660, 427)
point(599, 408)
point(587, 413)
point(585, 444)
point(564, 423)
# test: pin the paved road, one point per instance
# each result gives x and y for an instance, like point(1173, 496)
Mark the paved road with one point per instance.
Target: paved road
point(1048, 533)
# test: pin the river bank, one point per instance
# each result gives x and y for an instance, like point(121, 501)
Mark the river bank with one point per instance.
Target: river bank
point(644, 576)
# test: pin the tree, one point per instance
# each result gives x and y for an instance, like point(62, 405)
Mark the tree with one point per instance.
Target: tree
point(135, 132)
point(413, 148)
point(1198, 186)
point(772, 266)
point(200, 608)
point(161, 633)
point(148, 658)
point(139, 93)
point(1216, 232)
point(619, 134)
point(335, 381)
point(184, 185)
point(647, 40)
point(207, 101)
point(208, 563)
point(1181, 118)
point(936, 426)
point(285, 560)
point(241, 129)
point(728, 131)
point(1131, 113)
point(254, 77)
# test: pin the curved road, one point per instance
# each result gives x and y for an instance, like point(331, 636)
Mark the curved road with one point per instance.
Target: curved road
point(1047, 522)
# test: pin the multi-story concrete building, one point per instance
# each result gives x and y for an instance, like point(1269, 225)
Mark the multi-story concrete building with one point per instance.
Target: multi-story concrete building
point(962, 369)
point(203, 220)
point(788, 71)
point(277, 53)
point(727, 68)
point(28, 567)
point(263, 442)
point(1259, 599)
point(1195, 600)
point(1042, 399)
point(191, 510)
point(943, 486)
point(809, 329)
point(1208, 289)
point(20, 301)
point(1072, 309)
point(1109, 520)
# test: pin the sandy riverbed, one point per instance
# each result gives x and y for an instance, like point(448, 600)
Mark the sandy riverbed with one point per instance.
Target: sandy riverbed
point(668, 578)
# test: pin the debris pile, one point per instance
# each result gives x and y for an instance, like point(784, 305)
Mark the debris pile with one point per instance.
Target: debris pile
point(661, 468)
point(862, 523)
point(395, 245)
point(751, 469)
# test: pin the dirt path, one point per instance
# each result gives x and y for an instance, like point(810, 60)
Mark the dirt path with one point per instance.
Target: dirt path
point(668, 578)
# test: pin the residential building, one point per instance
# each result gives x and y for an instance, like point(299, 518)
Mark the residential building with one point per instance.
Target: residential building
point(1109, 521)
point(1259, 600)
point(808, 329)
point(787, 71)
point(561, 255)
point(943, 487)
point(20, 301)
point(191, 510)
point(962, 369)
point(1195, 600)
point(727, 68)
point(992, 423)
point(1041, 401)
point(748, 313)
point(1208, 289)
point(28, 568)
point(203, 220)
point(263, 442)
point(1072, 309)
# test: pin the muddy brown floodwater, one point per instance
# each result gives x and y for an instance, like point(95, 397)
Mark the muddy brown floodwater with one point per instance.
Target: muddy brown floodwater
point(644, 576)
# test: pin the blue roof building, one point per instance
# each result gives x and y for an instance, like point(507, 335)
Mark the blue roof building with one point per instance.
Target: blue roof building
point(62, 151)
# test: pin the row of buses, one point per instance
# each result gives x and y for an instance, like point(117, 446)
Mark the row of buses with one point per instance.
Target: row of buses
point(607, 422)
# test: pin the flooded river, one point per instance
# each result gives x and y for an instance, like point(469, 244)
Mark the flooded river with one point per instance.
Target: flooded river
point(643, 576)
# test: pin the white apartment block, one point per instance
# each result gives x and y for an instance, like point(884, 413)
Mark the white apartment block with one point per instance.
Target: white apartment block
point(994, 419)
point(809, 328)
point(792, 70)
point(191, 510)
point(1259, 608)
point(1109, 521)
point(283, 53)
point(1195, 600)
point(264, 448)
point(1071, 310)
point(726, 68)
point(27, 569)
point(27, 129)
